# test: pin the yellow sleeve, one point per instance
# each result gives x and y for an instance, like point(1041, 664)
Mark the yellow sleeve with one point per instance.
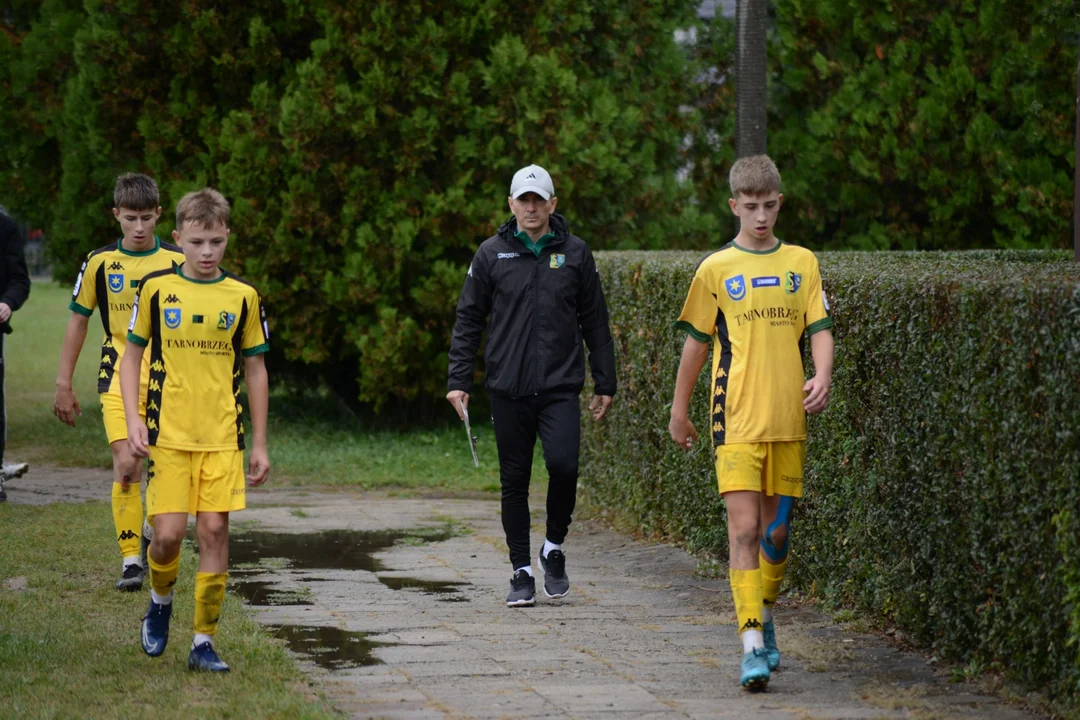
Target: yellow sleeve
point(698, 317)
point(139, 327)
point(817, 306)
point(84, 296)
point(256, 333)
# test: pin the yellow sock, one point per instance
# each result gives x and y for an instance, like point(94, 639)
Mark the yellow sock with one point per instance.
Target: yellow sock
point(163, 577)
point(772, 576)
point(209, 595)
point(127, 510)
point(746, 591)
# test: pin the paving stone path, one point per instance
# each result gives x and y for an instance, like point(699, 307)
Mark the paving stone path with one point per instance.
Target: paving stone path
point(396, 606)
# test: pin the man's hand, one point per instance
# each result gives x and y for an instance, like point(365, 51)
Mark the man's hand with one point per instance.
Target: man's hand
point(457, 398)
point(5, 312)
point(138, 439)
point(66, 405)
point(818, 397)
point(258, 467)
point(600, 405)
point(682, 432)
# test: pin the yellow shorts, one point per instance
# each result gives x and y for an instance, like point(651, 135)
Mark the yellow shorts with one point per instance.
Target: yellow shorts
point(179, 481)
point(112, 412)
point(774, 468)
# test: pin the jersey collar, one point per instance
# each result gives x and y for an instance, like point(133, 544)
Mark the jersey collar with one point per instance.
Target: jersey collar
point(144, 253)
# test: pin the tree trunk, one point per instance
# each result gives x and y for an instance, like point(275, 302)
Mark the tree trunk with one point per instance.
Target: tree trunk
point(750, 137)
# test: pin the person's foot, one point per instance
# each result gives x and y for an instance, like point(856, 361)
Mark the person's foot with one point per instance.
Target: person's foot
point(772, 652)
point(556, 583)
point(132, 579)
point(155, 628)
point(203, 657)
point(13, 470)
point(755, 670)
point(522, 590)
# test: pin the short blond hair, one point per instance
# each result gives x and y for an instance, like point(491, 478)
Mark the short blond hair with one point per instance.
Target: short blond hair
point(754, 175)
point(207, 207)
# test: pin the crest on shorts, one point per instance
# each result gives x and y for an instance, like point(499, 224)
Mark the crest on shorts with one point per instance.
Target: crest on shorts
point(792, 283)
point(736, 287)
point(557, 261)
point(172, 318)
point(116, 282)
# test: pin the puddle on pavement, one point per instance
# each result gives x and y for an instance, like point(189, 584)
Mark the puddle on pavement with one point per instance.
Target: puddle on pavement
point(327, 550)
point(329, 647)
point(450, 591)
point(265, 592)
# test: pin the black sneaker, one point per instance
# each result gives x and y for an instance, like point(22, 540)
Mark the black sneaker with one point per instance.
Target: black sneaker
point(522, 590)
point(132, 579)
point(556, 583)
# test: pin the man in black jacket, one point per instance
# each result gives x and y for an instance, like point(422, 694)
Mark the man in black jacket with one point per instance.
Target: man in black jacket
point(14, 289)
point(541, 288)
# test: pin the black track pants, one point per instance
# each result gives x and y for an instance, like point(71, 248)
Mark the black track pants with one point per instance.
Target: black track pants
point(557, 419)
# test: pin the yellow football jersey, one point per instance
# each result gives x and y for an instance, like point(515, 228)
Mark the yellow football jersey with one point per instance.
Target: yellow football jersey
point(107, 281)
point(197, 332)
point(757, 306)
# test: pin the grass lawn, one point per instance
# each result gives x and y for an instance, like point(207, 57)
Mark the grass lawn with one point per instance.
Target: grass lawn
point(312, 442)
point(69, 642)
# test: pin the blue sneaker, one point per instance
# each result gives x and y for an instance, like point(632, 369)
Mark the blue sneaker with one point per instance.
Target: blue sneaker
point(155, 628)
point(203, 657)
point(772, 652)
point(755, 669)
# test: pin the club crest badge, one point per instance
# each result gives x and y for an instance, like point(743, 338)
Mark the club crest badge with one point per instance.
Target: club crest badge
point(736, 287)
point(116, 282)
point(225, 320)
point(557, 261)
point(172, 318)
point(793, 282)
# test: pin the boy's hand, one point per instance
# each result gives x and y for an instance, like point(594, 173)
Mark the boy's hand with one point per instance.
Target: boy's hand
point(600, 405)
point(818, 397)
point(682, 431)
point(458, 396)
point(66, 405)
point(5, 312)
point(258, 467)
point(138, 439)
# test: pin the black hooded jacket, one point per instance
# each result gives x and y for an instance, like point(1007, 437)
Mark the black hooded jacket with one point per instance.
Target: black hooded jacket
point(14, 279)
point(541, 308)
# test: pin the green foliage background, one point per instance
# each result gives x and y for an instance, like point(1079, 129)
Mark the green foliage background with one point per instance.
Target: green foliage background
point(941, 489)
point(367, 146)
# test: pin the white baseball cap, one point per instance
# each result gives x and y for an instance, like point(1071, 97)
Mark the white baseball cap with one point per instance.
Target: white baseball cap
point(533, 179)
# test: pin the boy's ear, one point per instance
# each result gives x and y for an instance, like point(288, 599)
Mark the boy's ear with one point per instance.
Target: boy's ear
point(116, 213)
point(157, 213)
point(733, 204)
point(176, 236)
point(779, 201)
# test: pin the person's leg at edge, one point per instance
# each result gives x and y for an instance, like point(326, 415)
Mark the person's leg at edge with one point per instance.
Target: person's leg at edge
point(776, 513)
point(559, 425)
point(127, 511)
point(212, 530)
point(164, 558)
point(743, 516)
point(515, 439)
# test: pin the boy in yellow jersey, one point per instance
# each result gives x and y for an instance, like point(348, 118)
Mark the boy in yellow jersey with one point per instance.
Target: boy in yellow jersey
point(107, 281)
point(202, 325)
point(756, 299)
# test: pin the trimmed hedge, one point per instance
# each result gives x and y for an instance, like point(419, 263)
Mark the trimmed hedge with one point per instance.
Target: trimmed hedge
point(942, 481)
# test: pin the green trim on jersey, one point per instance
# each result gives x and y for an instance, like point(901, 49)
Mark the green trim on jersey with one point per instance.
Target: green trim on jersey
point(200, 282)
point(257, 350)
point(691, 331)
point(76, 307)
point(822, 324)
point(133, 253)
point(133, 338)
point(770, 251)
point(538, 246)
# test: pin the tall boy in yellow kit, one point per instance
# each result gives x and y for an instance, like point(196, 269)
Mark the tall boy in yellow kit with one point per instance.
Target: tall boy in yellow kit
point(107, 281)
point(756, 298)
point(201, 324)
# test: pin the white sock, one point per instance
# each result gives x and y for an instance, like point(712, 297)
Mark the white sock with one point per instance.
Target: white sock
point(160, 599)
point(527, 568)
point(133, 560)
point(200, 639)
point(766, 613)
point(752, 639)
point(548, 547)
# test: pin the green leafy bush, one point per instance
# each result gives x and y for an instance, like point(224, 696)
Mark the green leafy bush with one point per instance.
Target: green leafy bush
point(942, 481)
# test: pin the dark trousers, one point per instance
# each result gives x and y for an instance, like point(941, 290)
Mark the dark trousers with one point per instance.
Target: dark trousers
point(3, 402)
point(557, 419)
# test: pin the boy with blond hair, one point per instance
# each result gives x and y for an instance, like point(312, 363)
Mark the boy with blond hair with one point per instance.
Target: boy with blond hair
point(201, 324)
point(107, 281)
point(756, 299)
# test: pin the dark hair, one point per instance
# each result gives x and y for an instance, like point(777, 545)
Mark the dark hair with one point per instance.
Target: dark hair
point(136, 192)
